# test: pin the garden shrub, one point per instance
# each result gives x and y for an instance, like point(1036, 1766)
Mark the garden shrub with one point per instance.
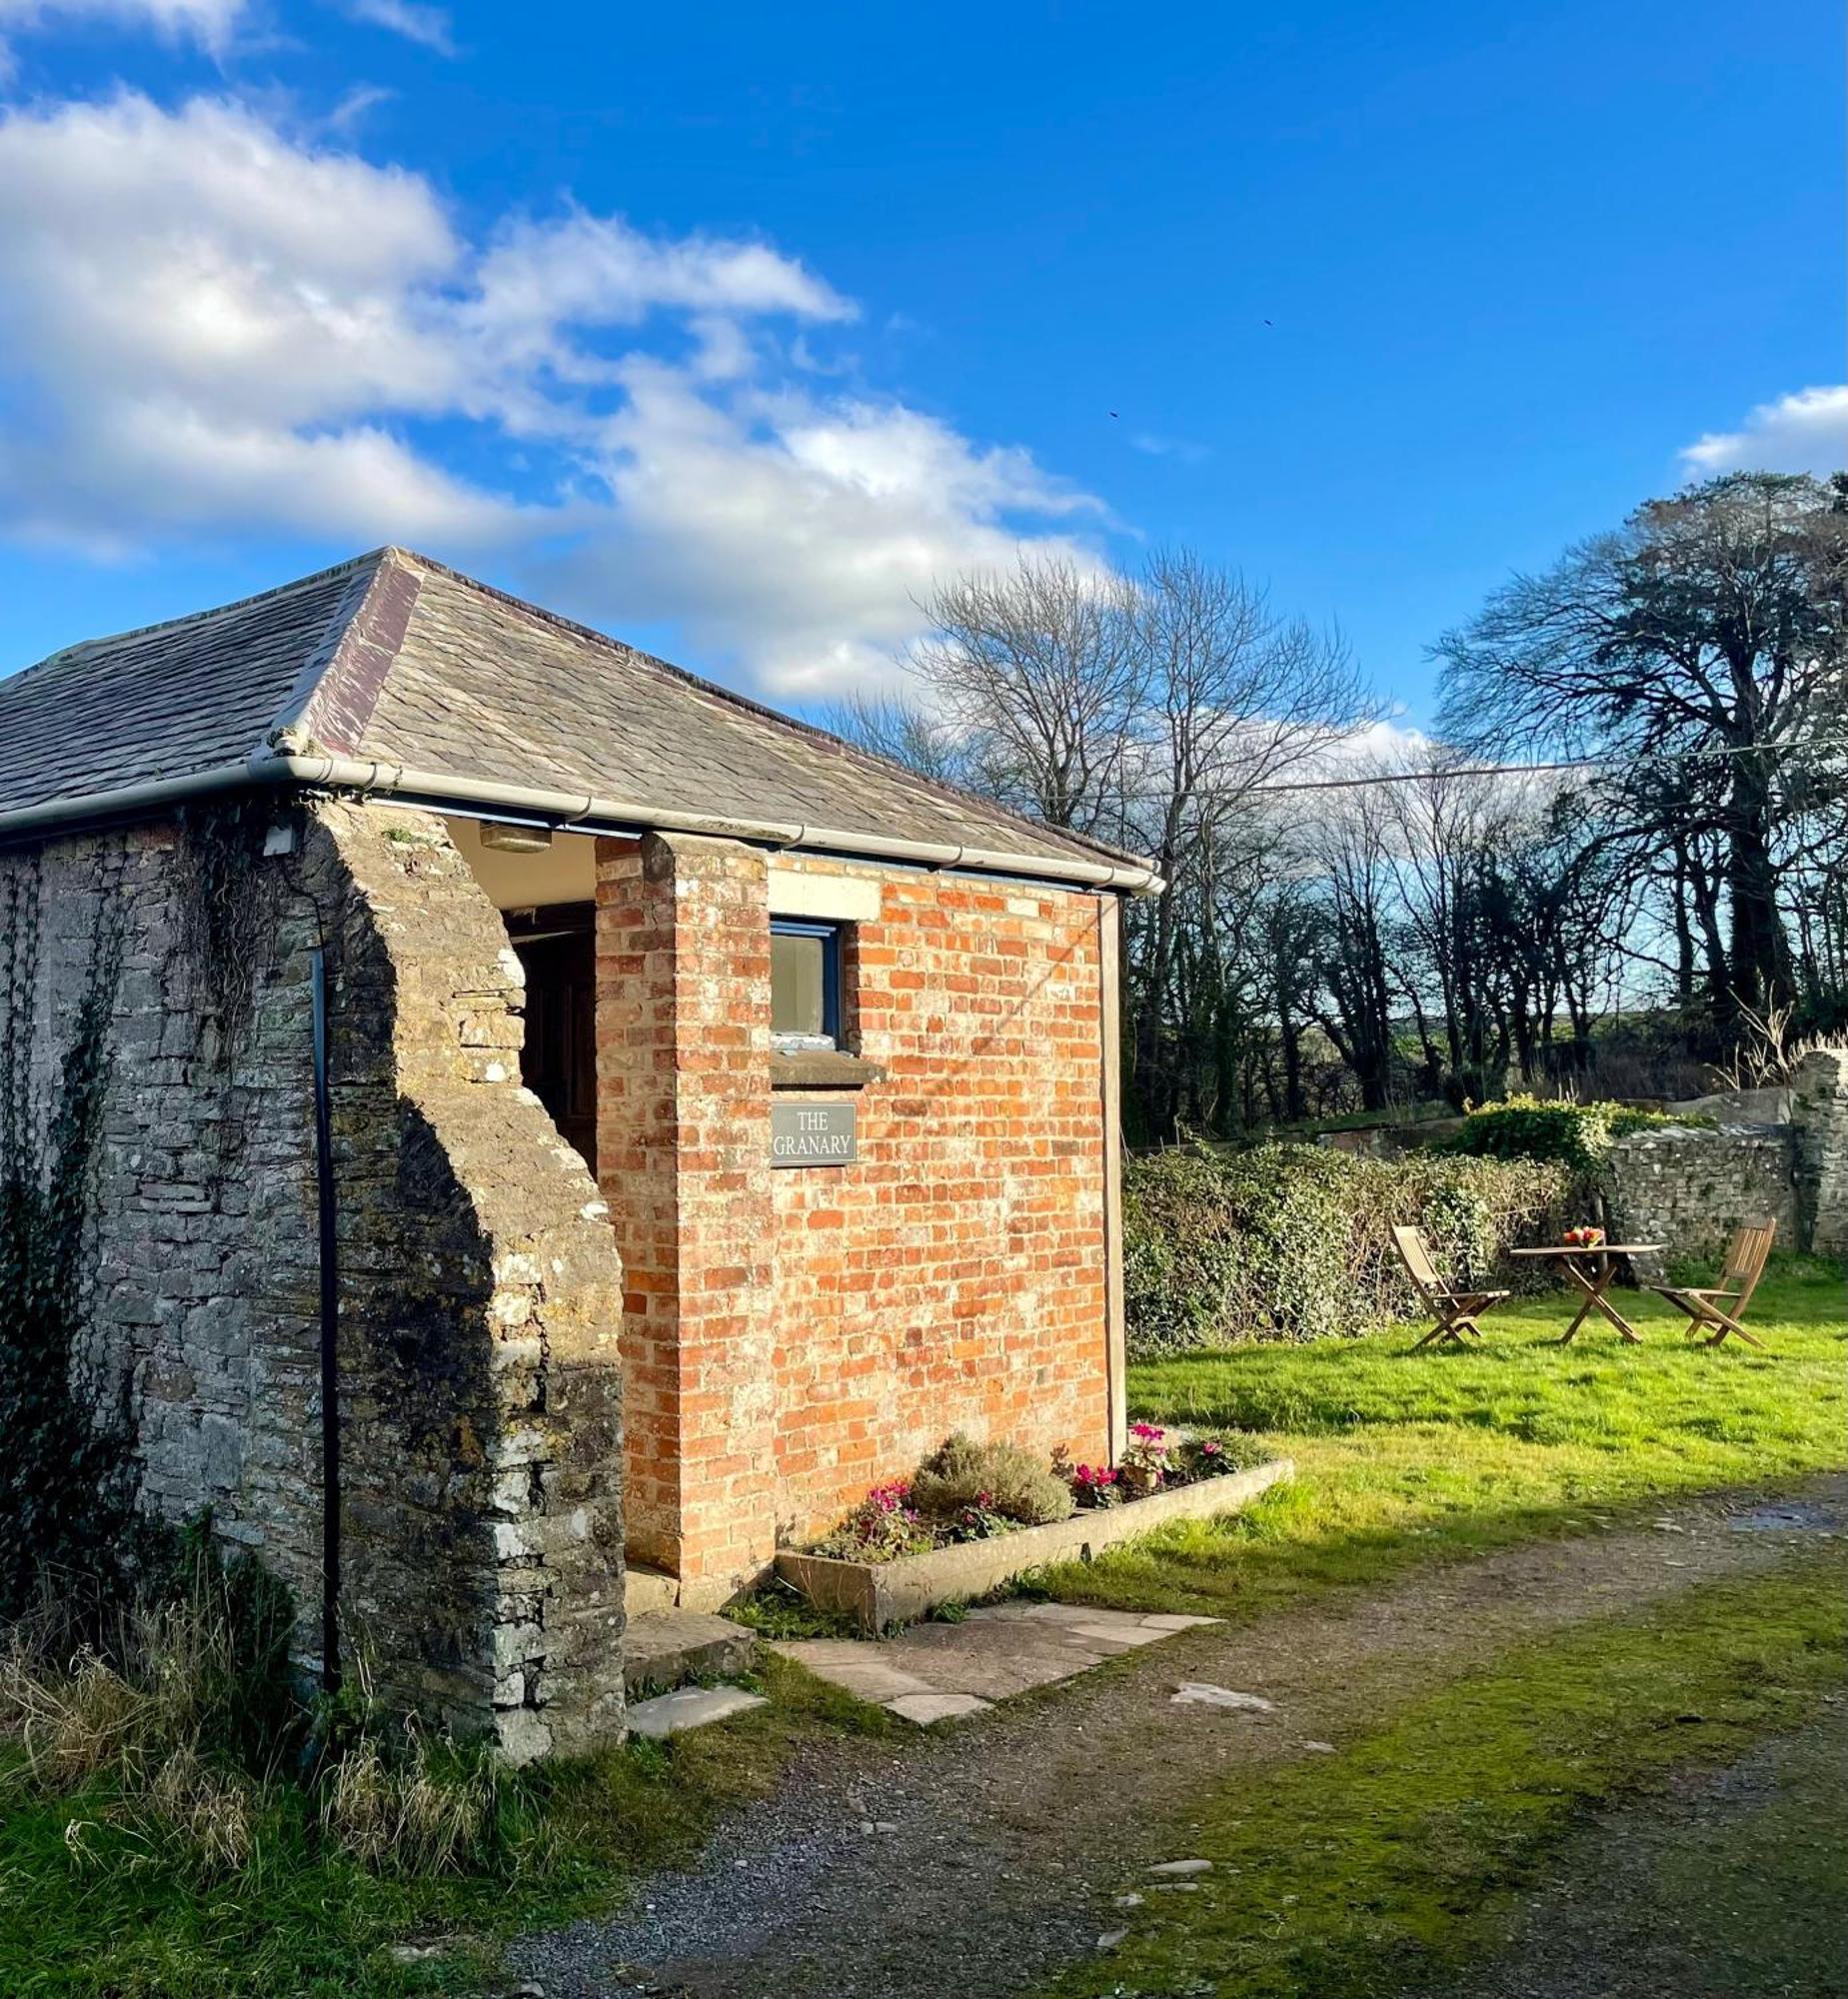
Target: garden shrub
point(1001, 1478)
point(1293, 1242)
point(1575, 1135)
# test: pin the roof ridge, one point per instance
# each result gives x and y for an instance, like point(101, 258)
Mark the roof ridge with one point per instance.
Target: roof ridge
point(836, 744)
point(197, 617)
point(339, 686)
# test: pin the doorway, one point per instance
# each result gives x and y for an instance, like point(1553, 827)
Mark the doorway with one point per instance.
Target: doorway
point(558, 951)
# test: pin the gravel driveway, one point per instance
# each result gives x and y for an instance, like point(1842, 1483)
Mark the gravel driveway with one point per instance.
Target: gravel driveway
point(979, 1859)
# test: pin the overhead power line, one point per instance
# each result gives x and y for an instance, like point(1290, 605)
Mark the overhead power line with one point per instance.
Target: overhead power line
point(1356, 782)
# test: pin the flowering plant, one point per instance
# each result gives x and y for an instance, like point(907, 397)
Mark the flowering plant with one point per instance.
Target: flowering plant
point(1585, 1237)
point(1146, 1458)
point(1094, 1485)
point(1204, 1458)
point(979, 1520)
point(882, 1527)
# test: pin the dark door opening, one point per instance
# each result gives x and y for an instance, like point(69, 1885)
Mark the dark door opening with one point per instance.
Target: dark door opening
point(557, 947)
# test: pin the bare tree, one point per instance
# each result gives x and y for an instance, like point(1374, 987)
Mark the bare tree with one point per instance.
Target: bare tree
point(1353, 849)
point(1038, 674)
point(909, 733)
point(1713, 624)
point(1233, 698)
point(1146, 711)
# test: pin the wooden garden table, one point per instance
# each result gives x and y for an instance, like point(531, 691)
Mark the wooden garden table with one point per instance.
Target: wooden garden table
point(1593, 1267)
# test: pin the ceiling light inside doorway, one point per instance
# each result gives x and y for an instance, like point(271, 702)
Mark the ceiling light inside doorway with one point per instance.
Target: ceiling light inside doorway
point(516, 839)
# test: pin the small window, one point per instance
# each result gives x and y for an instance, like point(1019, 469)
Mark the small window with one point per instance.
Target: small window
point(805, 984)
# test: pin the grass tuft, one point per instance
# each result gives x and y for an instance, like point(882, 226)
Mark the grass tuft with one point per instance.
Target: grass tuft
point(427, 1812)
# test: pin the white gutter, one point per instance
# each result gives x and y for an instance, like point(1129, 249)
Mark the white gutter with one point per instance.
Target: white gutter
point(570, 810)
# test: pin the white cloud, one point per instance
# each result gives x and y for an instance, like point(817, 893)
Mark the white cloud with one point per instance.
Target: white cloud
point(190, 307)
point(1803, 432)
point(356, 104)
point(208, 324)
point(596, 270)
point(208, 21)
point(797, 534)
point(1153, 445)
point(427, 26)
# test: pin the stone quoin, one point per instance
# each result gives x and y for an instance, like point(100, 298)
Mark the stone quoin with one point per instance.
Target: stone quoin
point(719, 1115)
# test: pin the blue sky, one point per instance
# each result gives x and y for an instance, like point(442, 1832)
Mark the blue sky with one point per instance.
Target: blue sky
point(727, 328)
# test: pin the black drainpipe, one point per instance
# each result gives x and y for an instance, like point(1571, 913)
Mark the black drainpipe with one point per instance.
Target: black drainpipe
point(330, 1330)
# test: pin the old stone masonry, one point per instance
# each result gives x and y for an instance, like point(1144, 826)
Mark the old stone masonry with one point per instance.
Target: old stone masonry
point(1780, 1155)
point(481, 1293)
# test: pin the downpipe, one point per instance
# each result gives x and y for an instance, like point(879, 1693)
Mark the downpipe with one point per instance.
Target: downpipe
point(330, 1327)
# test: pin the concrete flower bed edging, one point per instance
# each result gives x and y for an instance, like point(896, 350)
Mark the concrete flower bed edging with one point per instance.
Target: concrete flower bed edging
point(879, 1595)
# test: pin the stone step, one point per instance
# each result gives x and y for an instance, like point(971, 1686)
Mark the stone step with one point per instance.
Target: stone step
point(666, 1648)
point(648, 1590)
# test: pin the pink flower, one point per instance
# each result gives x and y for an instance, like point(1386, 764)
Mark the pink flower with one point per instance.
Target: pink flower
point(1149, 1433)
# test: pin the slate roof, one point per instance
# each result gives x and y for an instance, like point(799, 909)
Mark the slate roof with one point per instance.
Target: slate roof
point(394, 656)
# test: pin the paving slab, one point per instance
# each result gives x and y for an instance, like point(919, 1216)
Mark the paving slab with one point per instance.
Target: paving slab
point(934, 1672)
point(1202, 1693)
point(925, 1708)
point(689, 1708)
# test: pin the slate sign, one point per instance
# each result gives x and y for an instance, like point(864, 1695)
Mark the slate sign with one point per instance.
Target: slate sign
point(812, 1135)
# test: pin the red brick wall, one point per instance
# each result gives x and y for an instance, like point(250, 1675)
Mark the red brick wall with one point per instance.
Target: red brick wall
point(794, 1335)
point(682, 1145)
point(954, 1277)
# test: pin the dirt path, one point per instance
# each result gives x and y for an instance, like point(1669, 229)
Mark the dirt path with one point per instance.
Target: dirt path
point(983, 1857)
point(1731, 1884)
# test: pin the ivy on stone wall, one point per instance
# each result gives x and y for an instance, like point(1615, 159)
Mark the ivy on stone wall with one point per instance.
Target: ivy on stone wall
point(226, 916)
point(67, 1473)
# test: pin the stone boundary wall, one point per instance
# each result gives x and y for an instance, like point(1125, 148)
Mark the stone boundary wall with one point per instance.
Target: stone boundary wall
point(480, 1289)
point(1819, 1113)
point(1691, 1185)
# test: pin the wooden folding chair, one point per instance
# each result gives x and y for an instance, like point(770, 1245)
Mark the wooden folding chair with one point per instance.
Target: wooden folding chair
point(1455, 1311)
point(1723, 1305)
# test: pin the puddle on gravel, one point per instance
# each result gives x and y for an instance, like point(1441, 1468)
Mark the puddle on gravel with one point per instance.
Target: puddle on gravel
point(1790, 1518)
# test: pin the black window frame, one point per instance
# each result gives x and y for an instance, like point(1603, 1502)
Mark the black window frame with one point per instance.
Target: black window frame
point(831, 937)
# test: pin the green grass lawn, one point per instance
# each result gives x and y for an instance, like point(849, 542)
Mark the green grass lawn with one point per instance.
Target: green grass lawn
point(1404, 1458)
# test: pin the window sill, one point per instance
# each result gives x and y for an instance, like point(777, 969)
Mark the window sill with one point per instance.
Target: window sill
point(821, 1068)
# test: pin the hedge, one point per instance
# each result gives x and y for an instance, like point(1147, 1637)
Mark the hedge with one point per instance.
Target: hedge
point(1291, 1242)
point(1577, 1136)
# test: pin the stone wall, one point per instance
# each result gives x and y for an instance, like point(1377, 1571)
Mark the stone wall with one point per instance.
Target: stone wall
point(1819, 1111)
point(795, 1335)
point(479, 1291)
point(1690, 1186)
